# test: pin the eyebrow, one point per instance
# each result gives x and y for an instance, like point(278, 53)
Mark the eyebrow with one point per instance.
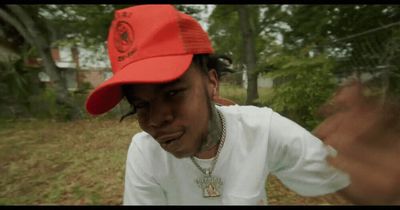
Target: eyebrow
point(174, 82)
point(160, 87)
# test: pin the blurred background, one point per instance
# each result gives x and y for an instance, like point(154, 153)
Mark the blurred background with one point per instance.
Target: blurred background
point(287, 57)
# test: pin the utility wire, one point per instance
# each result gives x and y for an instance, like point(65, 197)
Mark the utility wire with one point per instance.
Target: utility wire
point(367, 32)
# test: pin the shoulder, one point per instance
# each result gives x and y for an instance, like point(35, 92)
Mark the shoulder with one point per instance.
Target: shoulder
point(250, 124)
point(248, 116)
point(244, 109)
point(142, 137)
point(144, 145)
point(142, 140)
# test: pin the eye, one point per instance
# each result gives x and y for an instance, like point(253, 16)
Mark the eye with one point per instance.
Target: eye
point(140, 105)
point(172, 92)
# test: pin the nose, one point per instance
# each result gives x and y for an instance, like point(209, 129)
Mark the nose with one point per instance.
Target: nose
point(160, 114)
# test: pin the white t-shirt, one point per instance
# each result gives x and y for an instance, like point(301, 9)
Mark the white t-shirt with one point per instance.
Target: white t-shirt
point(258, 142)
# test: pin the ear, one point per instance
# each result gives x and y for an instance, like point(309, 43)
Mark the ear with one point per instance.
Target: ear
point(213, 84)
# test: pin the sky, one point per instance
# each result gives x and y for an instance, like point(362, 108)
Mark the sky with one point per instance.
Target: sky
point(205, 14)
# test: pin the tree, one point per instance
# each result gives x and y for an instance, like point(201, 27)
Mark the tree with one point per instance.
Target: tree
point(248, 34)
point(236, 30)
point(342, 30)
point(26, 20)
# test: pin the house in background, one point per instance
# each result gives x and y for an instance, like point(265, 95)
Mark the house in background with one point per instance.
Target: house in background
point(80, 67)
point(262, 80)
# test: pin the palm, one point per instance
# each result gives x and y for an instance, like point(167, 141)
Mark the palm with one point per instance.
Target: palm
point(366, 134)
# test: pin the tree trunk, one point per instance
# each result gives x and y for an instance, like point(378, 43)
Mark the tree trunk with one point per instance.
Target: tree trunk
point(31, 33)
point(249, 52)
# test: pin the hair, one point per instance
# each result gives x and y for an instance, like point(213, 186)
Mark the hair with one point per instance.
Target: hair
point(221, 63)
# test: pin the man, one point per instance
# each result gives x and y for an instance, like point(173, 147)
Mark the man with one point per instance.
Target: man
point(192, 151)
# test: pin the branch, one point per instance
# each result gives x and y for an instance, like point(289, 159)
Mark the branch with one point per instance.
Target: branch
point(29, 25)
point(17, 25)
point(39, 43)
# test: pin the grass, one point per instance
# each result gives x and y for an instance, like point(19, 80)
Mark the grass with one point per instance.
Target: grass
point(47, 162)
point(238, 94)
point(83, 162)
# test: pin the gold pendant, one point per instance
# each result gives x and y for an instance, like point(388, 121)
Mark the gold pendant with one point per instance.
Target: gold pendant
point(210, 185)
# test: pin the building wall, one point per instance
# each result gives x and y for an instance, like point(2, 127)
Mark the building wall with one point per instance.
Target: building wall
point(81, 66)
point(95, 78)
point(262, 81)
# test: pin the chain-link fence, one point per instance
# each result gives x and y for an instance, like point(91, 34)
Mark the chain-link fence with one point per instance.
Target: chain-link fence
point(373, 56)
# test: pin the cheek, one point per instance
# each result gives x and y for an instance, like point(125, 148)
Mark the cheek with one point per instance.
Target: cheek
point(143, 123)
point(195, 113)
point(196, 125)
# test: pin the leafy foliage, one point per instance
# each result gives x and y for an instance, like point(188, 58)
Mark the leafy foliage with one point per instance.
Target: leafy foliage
point(14, 89)
point(13, 81)
point(87, 25)
point(224, 31)
point(307, 55)
point(348, 32)
point(302, 85)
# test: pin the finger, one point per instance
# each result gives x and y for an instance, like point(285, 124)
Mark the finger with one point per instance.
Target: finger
point(368, 179)
point(327, 127)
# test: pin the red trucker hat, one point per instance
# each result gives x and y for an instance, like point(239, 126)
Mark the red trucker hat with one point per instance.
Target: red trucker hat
point(147, 44)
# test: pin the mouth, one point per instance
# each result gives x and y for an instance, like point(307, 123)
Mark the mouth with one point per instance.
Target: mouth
point(167, 139)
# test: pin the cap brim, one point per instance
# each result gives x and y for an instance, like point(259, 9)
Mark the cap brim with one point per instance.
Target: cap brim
point(152, 70)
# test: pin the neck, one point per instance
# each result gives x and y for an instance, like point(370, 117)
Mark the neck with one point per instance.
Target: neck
point(209, 146)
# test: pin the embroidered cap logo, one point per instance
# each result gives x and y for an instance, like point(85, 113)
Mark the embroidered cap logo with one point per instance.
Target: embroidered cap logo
point(123, 36)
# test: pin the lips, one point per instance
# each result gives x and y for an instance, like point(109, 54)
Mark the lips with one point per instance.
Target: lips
point(168, 137)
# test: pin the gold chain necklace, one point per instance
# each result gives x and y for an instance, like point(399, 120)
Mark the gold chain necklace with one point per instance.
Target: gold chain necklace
point(211, 185)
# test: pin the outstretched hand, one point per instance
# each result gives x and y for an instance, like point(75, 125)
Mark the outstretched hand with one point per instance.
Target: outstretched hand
point(365, 131)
